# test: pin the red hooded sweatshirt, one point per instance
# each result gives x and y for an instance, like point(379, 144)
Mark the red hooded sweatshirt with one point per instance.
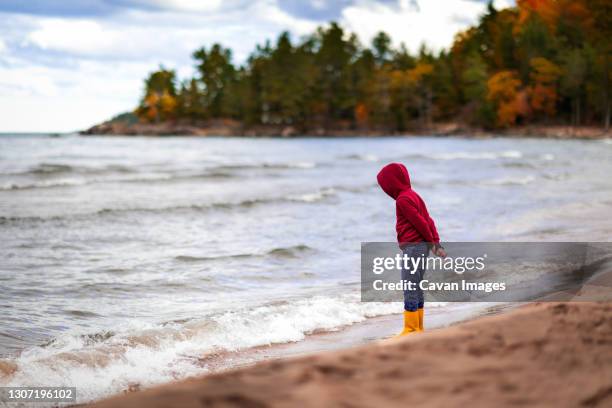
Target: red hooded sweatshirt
point(413, 221)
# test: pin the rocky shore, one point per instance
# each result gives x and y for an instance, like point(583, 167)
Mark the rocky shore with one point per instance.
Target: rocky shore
point(227, 127)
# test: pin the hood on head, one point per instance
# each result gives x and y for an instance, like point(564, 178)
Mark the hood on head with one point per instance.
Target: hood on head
point(393, 179)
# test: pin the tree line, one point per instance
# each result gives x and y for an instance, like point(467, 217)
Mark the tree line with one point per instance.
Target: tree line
point(543, 62)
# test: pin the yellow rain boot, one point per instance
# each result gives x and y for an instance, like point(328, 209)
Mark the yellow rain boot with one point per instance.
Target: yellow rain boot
point(411, 323)
point(421, 312)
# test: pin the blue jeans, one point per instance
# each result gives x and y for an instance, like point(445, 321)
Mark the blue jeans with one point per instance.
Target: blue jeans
point(414, 299)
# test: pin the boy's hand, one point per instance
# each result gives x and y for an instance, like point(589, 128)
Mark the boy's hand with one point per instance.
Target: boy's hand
point(439, 251)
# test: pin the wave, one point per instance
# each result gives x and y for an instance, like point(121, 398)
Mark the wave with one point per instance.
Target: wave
point(511, 181)
point(519, 165)
point(314, 197)
point(281, 252)
point(217, 172)
point(42, 184)
point(194, 258)
point(303, 198)
point(132, 179)
point(362, 157)
point(273, 166)
point(49, 169)
point(507, 154)
point(109, 362)
point(289, 252)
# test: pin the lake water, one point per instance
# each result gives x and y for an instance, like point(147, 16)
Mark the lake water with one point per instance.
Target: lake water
point(126, 259)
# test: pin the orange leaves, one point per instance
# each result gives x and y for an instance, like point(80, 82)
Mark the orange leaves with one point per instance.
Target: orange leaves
point(511, 100)
point(159, 101)
point(411, 77)
point(398, 79)
point(503, 86)
point(149, 109)
point(503, 91)
point(548, 10)
point(156, 107)
point(543, 99)
point(361, 114)
point(167, 105)
point(544, 71)
point(574, 12)
point(416, 74)
point(506, 114)
point(543, 93)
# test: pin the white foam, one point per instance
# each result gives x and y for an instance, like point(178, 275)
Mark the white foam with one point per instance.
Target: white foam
point(507, 181)
point(303, 165)
point(548, 157)
point(74, 182)
point(313, 197)
point(508, 154)
point(145, 354)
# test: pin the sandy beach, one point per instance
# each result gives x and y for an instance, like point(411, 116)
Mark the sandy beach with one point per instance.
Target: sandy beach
point(547, 354)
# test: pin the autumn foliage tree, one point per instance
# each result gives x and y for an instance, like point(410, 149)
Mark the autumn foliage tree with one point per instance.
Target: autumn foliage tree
point(542, 61)
point(159, 102)
point(543, 90)
point(503, 92)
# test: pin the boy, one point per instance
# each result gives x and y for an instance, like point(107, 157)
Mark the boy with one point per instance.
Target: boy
point(416, 234)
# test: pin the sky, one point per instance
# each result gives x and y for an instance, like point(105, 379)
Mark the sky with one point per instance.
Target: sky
point(66, 65)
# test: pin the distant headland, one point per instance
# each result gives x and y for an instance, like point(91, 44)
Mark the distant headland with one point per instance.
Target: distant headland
point(228, 127)
point(540, 68)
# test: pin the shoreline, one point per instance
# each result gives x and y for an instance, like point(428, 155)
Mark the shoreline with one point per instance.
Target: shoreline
point(527, 356)
point(354, 335)
point(227, 128)
point(349, 336)
point(496, 354)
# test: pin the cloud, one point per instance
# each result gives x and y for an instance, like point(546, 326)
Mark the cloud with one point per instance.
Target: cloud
point(44, 98)
point(320, 10)
point(434, 23)
point(170, 36)
point(79, 37)
point(62, 74)
point(68, 64)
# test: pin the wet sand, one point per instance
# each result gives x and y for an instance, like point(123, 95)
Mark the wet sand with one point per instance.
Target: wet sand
point(547, 354)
